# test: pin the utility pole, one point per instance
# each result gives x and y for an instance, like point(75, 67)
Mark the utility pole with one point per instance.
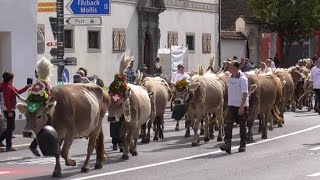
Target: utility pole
point(60, 38)
point(219, 33)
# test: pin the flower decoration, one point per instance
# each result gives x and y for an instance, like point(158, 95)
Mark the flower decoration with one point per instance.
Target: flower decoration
point(38, 93)
point(119, 85)
point(182, 85)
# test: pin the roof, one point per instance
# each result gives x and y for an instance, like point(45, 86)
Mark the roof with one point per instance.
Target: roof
point(233, 35)
point(231, 10)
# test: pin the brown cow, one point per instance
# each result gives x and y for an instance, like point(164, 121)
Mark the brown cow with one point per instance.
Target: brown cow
point(287, 91)
point(207, 97)
point(75, 110)
point(298, 79)
point(262, 101)
point(161, 95)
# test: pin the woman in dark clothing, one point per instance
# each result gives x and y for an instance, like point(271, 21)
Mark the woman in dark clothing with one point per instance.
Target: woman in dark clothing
point(10, 102)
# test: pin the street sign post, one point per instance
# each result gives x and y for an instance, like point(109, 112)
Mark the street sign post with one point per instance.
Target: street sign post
point(69, 61)
point(84, 21)
point(54, 27)
point(89, 7)
point(54, 44)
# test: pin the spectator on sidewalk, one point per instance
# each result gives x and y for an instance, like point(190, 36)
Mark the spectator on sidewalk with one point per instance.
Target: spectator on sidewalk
point(10, 102)
point(129, 73)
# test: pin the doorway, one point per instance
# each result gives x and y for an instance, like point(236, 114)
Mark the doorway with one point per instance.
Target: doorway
point(147, 50)
point(5, 52)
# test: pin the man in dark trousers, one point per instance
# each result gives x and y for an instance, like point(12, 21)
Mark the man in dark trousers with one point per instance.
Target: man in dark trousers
point(115, 134)
point(238, 103)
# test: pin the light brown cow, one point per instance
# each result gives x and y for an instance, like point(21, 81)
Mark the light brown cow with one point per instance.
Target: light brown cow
point(161, 95)
point(136, 108)
point(207, 97)
point(76, 110)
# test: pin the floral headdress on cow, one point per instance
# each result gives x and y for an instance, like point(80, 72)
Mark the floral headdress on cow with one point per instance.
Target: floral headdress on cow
point(39, 92)
point(181, 85)
point(118, 87)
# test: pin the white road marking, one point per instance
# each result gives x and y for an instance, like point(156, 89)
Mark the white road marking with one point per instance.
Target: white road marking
point(5, 172)
point(192, 157)
point(314, 175)
point(314, 149)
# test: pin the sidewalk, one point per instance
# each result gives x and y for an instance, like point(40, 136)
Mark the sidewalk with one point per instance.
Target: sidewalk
point(18, 142)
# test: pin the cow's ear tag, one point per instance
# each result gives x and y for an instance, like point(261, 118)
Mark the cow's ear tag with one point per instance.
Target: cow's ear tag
point(33, 106)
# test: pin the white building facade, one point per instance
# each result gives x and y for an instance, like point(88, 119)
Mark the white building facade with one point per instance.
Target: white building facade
point(18, 39)
point(138, 28)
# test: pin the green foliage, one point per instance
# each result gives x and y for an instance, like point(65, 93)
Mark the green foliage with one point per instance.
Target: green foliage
point(293, 19)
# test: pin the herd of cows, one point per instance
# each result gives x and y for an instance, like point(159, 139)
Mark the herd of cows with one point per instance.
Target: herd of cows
point(78, 109)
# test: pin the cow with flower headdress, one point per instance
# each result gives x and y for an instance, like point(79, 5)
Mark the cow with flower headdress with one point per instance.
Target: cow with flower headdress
point(199, 98)
point(132, 102)
point(72, 110)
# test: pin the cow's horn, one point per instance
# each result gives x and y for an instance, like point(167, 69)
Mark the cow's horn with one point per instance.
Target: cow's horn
point(21, 98)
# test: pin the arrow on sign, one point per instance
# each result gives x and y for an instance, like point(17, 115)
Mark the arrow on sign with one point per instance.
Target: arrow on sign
point(92, 7)
point(84, 21)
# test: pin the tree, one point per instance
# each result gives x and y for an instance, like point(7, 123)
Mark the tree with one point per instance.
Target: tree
point(294, 20)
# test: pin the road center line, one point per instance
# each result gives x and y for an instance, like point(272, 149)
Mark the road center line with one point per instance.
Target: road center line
point(195, 156)
point(315, 148)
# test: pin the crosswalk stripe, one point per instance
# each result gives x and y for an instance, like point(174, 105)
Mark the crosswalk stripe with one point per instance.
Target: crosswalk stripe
point(314, 175)
point(40, 161)
point(314, 149)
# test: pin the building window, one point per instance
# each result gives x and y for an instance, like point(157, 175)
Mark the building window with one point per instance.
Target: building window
point(206, 42)
point(190, 40)
point(119, 40)
point(94, 40)
point(69, 43)
point(172, 39)
point(41, 45)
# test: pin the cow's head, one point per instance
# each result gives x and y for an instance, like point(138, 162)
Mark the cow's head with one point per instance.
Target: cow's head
point(37, 116)
point(182, 95)
point(120, 103)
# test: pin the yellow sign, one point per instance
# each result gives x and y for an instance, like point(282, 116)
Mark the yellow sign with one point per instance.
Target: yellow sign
point(47, 9)
point(47, 4)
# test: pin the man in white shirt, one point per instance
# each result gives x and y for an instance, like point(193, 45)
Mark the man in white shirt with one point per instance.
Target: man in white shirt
point(238, 103)
point(315, 78)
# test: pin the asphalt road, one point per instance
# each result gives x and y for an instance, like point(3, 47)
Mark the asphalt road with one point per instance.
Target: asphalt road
point(291, 152)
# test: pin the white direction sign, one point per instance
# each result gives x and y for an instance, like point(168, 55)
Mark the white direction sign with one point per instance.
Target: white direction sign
point(84, 21)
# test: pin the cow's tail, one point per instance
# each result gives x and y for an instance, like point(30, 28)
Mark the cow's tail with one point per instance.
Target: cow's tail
point(275, 112)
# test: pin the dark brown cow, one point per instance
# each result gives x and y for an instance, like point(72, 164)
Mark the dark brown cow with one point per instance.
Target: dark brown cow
point(262, 101)
point(75, 110)
point(287, 91)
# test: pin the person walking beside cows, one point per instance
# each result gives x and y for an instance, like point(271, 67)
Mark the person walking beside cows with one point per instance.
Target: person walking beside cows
point(238, 103)
point(315, 78)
